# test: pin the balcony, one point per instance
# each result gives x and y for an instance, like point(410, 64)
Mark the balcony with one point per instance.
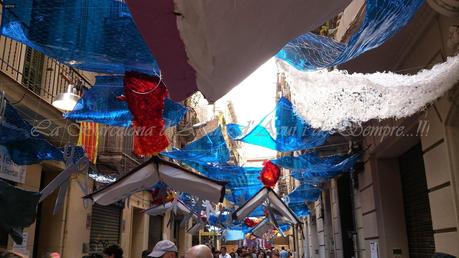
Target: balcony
point(31, 81)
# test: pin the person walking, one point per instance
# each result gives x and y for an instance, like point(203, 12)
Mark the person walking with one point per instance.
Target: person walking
point(164, 249)
point(113, 251)
point(223, 253)
point(199, 251)
point(283, 253)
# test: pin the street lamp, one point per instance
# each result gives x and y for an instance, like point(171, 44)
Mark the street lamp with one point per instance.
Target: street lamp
point(66, 101)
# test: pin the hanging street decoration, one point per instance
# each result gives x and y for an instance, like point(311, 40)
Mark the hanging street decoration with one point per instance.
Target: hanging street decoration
point(18, 209)
point(211, 47)
point(273, 201)
point(75, 162)
point(94, 36)
point(269, 174)
point(156, 170)
point(383, 18)
point(145, 96)
point(197, 50)
point(25, 146)
point(102, 104)
point(89, 139)
point(283, 130)
point(210, 148)
point(334, 100)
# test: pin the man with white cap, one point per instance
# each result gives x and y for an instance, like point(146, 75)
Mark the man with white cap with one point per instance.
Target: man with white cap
point(164, 249)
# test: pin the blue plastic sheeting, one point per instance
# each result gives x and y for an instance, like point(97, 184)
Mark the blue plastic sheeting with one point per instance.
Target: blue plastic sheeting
point(24, 145)
point(173, 113)
point(233, 235)
point(242, 227)
point(98, 36)
point(236, 176)
point(243, 182)
point(100, 104)
point(190, 202)
point(211, 148)
point(300, 209)
point(383, 18)
point(302, 193)
point(291, 131)
point(284, 227)
point(313, 169)
point(313, 162)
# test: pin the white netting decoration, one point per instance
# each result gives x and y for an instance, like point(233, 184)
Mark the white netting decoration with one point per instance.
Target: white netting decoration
point(333, 100)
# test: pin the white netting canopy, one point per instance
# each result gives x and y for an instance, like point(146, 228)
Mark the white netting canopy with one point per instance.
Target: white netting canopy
point(333, 100)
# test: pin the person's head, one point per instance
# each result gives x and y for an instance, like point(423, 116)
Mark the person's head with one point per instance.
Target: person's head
point(164, 249)
point(113, 251)
point(8, 254)
point(223, 250)
point(283, 248)
point(199, 251)
point(54, 255)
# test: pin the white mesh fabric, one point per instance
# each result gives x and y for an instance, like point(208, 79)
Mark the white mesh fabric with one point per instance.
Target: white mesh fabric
point(333, 100)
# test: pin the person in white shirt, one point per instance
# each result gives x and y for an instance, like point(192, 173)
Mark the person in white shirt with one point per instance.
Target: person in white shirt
point(223, 253)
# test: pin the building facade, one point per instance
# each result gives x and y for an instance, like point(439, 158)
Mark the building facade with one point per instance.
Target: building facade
point(403, 200)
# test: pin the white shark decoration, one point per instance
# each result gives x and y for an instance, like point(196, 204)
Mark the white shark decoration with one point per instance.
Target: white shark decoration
point(156, 170)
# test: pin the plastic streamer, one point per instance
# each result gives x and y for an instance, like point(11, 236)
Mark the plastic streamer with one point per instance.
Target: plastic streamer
point(300, 209)
point(291, 131)
point(98, 36)
point(25, 145)
point(101, 104)
point(323, 166)
point(210, 148)
point(383, 18)
point(243, 182)
point(304, 192)
point(335, 100)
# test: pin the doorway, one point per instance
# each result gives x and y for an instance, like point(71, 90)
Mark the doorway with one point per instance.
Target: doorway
point(155, 231)
point(416, 204)
point(138, 232)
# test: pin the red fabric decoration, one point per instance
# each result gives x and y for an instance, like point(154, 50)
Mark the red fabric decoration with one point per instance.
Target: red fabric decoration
point(249, 223)
point(269, 174)
point(145, 96)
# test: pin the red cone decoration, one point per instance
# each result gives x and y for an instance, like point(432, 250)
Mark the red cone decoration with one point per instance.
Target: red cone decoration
point(269, 174)
point(145, 96)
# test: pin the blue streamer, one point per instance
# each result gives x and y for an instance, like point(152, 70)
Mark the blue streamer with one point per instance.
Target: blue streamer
point(304, 192)
point(98, 36)
point(291, 131)
point(383, 18)
point(211, 148)
point(99, 104)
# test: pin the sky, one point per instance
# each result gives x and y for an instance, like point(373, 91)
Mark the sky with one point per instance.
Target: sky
point(252, 99)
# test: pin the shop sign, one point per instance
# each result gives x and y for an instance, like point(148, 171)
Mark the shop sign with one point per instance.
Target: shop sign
point(10, 171)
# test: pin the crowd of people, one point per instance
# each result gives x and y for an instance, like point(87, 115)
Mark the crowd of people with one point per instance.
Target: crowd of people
point(245, 252)
point(167, 249)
